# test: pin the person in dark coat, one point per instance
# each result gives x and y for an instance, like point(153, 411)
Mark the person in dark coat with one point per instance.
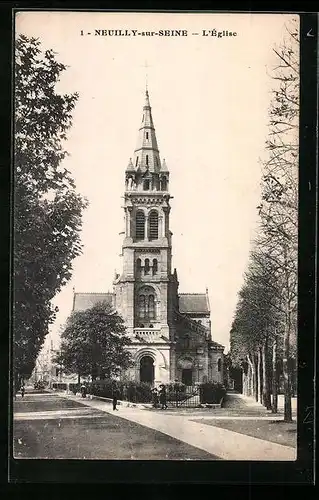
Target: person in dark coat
point(115, 396)
point(83, 391)
point(162, 397)
point(155, 398)
point(22, 391)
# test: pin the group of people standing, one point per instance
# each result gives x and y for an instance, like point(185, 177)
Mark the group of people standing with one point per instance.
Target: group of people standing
point(159, 397)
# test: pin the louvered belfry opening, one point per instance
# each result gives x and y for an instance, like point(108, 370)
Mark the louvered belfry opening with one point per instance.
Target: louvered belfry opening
point(153, 225)
point(140, 225)
point(147, 266)
point(155, 267)
point(138, 267)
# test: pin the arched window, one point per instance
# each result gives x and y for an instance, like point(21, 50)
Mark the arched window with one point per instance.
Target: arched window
point(146, 135)
point(219, 365)
point(138, 266)
point(140, 225)
point(146, 306)
point(164, 183)
point(141, 306)
point(186, 342)
point(151, 307)
point(146, 159)
point(147, 266)
point(153, 225)
point(146, 185)
point(155, 266)
point(136, 161)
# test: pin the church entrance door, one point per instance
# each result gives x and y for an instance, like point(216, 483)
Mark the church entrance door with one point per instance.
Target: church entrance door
point(187, 376)
point(147, 370)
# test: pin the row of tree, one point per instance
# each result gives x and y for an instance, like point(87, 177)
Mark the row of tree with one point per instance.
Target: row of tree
point(264, 330)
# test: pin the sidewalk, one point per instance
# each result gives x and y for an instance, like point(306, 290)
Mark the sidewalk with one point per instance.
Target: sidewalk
point(223, 443)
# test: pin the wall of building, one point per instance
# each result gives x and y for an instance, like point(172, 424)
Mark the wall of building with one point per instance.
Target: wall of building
point(214, 374)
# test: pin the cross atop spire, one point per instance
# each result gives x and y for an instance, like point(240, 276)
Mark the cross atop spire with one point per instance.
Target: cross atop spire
point(146, 76)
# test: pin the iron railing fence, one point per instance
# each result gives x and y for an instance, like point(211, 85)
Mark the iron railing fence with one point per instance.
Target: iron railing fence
point(187, 397)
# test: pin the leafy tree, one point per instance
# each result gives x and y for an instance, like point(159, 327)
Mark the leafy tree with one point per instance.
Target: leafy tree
point(267, 306)
point(47, 209)
point(254, 324)
point(279, 207)
point(94, 342)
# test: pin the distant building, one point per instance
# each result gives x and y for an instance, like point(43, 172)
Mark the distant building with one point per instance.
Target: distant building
point(170, 331)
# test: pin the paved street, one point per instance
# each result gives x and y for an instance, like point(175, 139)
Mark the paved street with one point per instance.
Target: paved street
point(49, 426)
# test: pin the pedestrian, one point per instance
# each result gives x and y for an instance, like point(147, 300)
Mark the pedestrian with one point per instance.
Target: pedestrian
point(22, 391)
point(155, 398)
point(115, 398)
point(83, 391)
point(162, 397)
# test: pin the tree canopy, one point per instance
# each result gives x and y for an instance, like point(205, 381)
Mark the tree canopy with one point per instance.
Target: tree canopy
point(94, 342)
point(267, 302)
point(47, 208)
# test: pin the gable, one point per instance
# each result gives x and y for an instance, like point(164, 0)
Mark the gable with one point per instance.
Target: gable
point(83, 301)
point(193, 303)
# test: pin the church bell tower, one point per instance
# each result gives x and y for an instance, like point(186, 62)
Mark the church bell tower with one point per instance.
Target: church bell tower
point(145, 289)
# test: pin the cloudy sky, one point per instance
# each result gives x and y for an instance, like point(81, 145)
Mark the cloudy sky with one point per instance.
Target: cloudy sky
point(209, 98)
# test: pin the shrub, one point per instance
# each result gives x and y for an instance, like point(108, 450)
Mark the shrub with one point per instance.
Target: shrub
point(138, 392)
point(212, 393)
point(74, 388)
point(40, 385)
point(104, 388)
point(60, 386)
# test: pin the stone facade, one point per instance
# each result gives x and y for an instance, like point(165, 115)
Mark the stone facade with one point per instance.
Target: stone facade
point(170, 332)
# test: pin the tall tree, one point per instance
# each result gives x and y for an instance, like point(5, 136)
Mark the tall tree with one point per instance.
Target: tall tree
point(279, 207)
point(253, 325)
point(47, 208)
point(94, 342)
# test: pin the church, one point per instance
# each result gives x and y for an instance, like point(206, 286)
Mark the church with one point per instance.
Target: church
point(170, 331)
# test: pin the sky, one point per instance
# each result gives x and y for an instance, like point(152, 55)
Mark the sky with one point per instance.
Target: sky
point(210, 98)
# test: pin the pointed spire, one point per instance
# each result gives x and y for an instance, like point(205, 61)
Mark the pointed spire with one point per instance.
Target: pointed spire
point(130, 166)
point(146, 154)
point(164, 166)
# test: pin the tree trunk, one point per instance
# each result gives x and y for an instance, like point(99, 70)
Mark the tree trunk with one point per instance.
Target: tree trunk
point(255, 367)
point(274, 407)
point(79, 379)
point(266, 385)
point(252, 377)
point(259, 398)
point(248, 381)
point(286, 374)
point(244, 378)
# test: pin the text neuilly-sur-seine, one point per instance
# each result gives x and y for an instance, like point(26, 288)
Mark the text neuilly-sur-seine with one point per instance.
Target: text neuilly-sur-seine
point(175, 33)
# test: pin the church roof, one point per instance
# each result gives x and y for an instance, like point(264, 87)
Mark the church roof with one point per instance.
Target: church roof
point(216, 345)
point(193, 303)
point(83, 301)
